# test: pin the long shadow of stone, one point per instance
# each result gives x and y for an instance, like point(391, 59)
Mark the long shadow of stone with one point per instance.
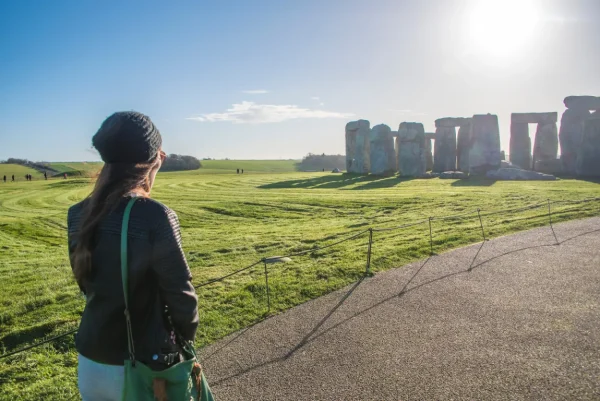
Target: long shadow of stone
point(474, 182)
point(332, 181)
point(381, 182)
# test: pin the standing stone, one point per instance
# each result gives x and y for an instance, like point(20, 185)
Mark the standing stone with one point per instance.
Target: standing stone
point(412, 152)
point(588, 160)
point(357, 146)
point(383, 154)
point(463, 145)
point(485, 144)
point(571, 132)
point(444, 152)
point(520, 145)
point(546, 142)
point(429, 151)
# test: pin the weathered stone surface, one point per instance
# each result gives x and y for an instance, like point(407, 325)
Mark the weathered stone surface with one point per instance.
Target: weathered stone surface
point(428, 155)
point(430, 135)
point(451, 122)
point(357, 146)
point(453, 174)
point(518, 174)
point(429, 174)
point(550, 166)
point(571, 132)
point(582, 102)
point(463, 145)
point(502, 155)
point(383, 154)
point(546, 143)
point(534, 118)
point(520, 145)
point(504, 163)
point(444, 151)
point(411, 148)
point(588, 160)
point(484, 154)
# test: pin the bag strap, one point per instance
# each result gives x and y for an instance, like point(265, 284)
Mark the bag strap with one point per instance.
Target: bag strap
point(124, 277)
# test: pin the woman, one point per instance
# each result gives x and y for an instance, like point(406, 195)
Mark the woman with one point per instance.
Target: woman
point(159, 277)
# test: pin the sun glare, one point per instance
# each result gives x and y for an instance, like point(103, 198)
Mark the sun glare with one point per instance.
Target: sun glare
point(501, 28)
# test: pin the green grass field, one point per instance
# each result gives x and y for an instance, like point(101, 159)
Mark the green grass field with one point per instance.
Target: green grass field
point(19, 171)
point(230, 221)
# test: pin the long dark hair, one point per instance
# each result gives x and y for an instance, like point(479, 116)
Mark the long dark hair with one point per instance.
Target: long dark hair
point(114, 181)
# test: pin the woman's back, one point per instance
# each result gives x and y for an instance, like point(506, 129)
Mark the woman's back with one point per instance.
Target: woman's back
point(158, 277)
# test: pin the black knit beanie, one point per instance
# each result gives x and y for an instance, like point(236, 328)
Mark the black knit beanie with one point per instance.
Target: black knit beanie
point(127, 137)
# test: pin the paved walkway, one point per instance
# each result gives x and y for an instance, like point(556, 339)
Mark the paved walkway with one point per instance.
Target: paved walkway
point(523, 324)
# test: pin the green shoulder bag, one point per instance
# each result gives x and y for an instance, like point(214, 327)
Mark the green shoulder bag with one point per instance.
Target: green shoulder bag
point(184, 380)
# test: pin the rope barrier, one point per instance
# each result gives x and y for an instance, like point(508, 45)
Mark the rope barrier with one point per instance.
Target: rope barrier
point(379, 230)
point(38, 344)
point(472, 214)
point(228, 275)
point(326, 246)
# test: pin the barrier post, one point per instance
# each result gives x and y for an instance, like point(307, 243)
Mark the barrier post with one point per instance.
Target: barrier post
point(430, 238)
point(368, 268)
point(267, 284)
point(481, 224)
point(550, 219)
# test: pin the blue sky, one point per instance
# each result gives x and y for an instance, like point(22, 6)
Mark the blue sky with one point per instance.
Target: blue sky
point(279, 79)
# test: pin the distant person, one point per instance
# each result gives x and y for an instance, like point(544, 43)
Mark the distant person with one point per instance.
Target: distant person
point(13, 178)
point(238, 171)
point(159, 278)
point(242, 171)
point(45, 175)
point(4, 178)
point(65, 175)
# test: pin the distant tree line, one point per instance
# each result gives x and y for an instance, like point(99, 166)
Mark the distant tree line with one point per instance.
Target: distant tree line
point(40, 166)
point(312, 162)
point(180, 162)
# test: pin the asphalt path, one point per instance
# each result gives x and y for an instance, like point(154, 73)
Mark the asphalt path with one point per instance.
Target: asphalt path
point(517, 318)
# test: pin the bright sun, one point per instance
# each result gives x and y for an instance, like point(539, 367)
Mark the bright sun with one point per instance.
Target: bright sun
point(501, 27)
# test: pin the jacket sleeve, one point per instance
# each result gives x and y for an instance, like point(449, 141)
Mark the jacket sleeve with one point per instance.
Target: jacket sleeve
point(174, 276)
point(72, 227)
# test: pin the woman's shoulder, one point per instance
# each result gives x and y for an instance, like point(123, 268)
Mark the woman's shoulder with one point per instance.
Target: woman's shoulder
point(152, 206)
point(154, 213)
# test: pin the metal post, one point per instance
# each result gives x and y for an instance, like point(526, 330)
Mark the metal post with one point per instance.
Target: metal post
point(481, 224)
point(550, 218)
point(368, 269)
point(267, 284)
point(430, 238)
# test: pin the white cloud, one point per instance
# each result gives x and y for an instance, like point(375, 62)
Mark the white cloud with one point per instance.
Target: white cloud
point(256, 91)
point(253, 113)
point(317, 98)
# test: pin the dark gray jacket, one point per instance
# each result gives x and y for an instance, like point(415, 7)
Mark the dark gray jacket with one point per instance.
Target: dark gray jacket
point(158, 276)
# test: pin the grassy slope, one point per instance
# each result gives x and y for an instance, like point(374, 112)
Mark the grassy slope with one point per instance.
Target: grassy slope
point(87, 169)
point(271, 166)
point(19, 172)
point(229, 221)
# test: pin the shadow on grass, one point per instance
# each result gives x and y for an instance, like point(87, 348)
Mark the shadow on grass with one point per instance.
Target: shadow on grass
point(311, 337)
point(339, 181)
point(474, 182)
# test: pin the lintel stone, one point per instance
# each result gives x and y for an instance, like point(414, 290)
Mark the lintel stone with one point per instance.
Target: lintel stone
point(582, 102)
point(451, 122)
point(534, 118)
